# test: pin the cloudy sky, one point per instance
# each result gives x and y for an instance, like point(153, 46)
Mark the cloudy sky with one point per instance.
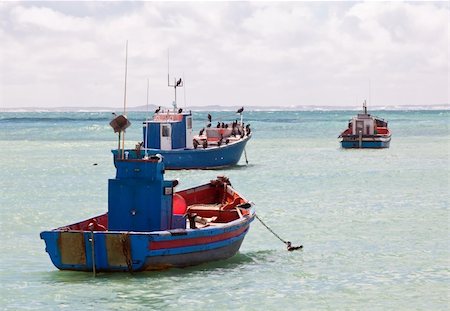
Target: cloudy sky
point(63, 54)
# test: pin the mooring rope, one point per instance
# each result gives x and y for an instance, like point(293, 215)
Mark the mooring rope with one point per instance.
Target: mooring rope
point(91, 239)
point(125, 239)
point(288, 243)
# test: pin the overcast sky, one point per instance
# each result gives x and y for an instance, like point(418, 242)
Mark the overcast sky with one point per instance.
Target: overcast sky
point(63, 54)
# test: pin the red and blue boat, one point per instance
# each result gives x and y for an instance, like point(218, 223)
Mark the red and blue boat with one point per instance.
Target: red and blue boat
point(150, 226)
point(170, 133)
point(366, 131)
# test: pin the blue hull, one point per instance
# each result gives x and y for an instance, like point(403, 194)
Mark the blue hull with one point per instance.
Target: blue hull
point(365, 144)
point(369, 142)
point(209, 158)
point(138, 251)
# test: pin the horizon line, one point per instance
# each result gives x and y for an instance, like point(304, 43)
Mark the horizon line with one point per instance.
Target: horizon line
point(143, 108)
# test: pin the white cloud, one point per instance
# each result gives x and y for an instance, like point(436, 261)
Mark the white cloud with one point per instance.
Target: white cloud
point(72, 54)
point(36, 18)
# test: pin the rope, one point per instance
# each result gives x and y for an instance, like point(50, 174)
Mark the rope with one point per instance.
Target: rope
point(126, 250)
point(288, 243)
point(91, 228)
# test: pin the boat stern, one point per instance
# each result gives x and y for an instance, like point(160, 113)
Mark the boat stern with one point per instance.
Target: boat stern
point(94, 250)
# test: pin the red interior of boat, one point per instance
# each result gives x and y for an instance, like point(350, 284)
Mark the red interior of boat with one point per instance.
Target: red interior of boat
point(347, 132)
point(382, 130)
point(214, 200)
point(379, 130)
point(99, 223)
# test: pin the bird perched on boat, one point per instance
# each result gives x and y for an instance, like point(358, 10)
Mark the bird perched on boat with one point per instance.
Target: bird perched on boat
point(240, 110)
point(227, 141)
point(209, 125)
point(201, 132)
point(291, 248)
point(180, 110)
point(205, 144)
point(226, 125)
point(195, 143)
point(222, 125)
point(218, 125)
point(158, 110)
point(209, 118)
point(179, 82)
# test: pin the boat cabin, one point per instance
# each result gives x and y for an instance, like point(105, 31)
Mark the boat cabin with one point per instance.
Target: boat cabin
point(366, 124)
point(169, 130)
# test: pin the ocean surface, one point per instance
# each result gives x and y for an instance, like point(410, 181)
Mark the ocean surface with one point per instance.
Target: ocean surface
point(374, 223)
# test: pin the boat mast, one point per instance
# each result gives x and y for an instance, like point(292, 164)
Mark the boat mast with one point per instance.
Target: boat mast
point(146, 123)
point(176, 83)
point(125, 97)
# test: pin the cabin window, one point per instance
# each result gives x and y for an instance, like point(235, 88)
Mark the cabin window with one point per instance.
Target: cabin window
point(359, 127)
point(165, 131)
point(189, 123)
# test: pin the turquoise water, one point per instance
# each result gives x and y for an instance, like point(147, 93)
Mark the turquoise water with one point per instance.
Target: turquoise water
point(374, 223)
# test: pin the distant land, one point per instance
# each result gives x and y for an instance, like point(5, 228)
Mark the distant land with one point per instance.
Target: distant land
point(226, 108)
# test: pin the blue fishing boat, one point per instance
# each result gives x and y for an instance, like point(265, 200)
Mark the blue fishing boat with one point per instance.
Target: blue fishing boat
point(169, 132)
point(366, 131)
point(149, 226)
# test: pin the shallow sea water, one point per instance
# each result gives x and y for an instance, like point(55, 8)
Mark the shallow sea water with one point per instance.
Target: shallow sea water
point(374, 223)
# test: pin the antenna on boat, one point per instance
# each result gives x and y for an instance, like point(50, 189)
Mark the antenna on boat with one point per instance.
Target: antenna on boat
point(120, 123)
point(365, 107)
point(184, 92)
point(125, 97)
point(176, 83)
point(146, 125)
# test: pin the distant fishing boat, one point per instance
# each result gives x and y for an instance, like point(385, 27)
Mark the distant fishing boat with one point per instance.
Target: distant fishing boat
point(366, 131)
point(149, 226)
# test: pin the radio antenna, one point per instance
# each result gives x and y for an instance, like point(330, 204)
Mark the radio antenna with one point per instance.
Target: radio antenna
point(184, 91)
point(146, 125)
point(125, 97)
point(176, 83)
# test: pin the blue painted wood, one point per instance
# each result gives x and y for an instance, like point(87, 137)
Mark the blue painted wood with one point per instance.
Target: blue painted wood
point(143, 258)
point(140, 218)
point(213, 157)
point(137, 199)
point(181, 157)
point(365, 144)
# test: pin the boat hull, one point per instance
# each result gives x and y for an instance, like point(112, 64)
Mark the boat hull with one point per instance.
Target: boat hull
point(140, 251)
point(370, 142)
point(209, 158)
